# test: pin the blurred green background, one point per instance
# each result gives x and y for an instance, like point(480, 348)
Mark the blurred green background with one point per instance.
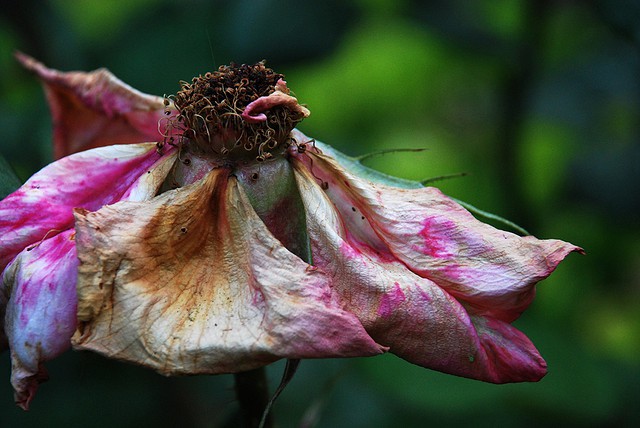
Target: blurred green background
point(538, 101)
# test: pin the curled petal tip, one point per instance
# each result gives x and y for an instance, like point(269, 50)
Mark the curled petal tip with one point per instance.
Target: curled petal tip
point(26, 61)
point(26, 385)
point(254, 112)
point(281, 85)
point(34, 66)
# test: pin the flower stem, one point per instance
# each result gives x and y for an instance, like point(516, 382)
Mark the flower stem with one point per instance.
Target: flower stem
point(252, 392)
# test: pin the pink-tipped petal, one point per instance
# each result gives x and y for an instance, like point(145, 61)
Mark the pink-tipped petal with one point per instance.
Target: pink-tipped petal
point(43, 206)
point(491, 270)
point(97, 109)
point(511, 357)
point(193, 282)
point(41, 312)
point(40, 282)
point(418, 320)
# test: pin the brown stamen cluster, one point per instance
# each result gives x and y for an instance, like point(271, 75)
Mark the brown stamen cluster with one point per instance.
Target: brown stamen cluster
point(211, 113)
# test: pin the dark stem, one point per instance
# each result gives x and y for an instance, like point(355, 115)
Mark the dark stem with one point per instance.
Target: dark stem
point(252, 392)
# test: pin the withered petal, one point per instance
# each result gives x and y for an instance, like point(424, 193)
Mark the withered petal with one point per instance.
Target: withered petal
point(193, 282)
point(494, 272)
point(97, 109)
point(418, 319)
point(41, 311)
point(43, 206)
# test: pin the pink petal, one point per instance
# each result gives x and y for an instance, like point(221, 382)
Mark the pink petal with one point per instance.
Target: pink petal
point(254, 112)
point(416, 318)
point(494, 272)
point(42, 207)
point(97, 109)
point(40, 282)
point(41, 312)
point(193, 282)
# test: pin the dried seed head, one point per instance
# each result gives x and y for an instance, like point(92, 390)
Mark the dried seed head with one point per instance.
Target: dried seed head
point(238, 113)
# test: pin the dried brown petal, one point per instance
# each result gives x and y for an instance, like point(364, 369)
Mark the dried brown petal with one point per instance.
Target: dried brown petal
point(193, 282)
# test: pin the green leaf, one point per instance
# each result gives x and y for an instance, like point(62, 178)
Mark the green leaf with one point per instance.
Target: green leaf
point(9, 182)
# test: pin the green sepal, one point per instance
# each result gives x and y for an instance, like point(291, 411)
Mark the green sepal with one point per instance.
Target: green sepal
point(490, 216)
point(354, 166)
point(273, 192)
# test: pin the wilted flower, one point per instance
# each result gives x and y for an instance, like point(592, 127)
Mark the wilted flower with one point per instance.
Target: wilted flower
point(232, 240)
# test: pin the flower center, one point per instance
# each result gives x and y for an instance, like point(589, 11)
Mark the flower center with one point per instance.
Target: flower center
point(238, 113)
